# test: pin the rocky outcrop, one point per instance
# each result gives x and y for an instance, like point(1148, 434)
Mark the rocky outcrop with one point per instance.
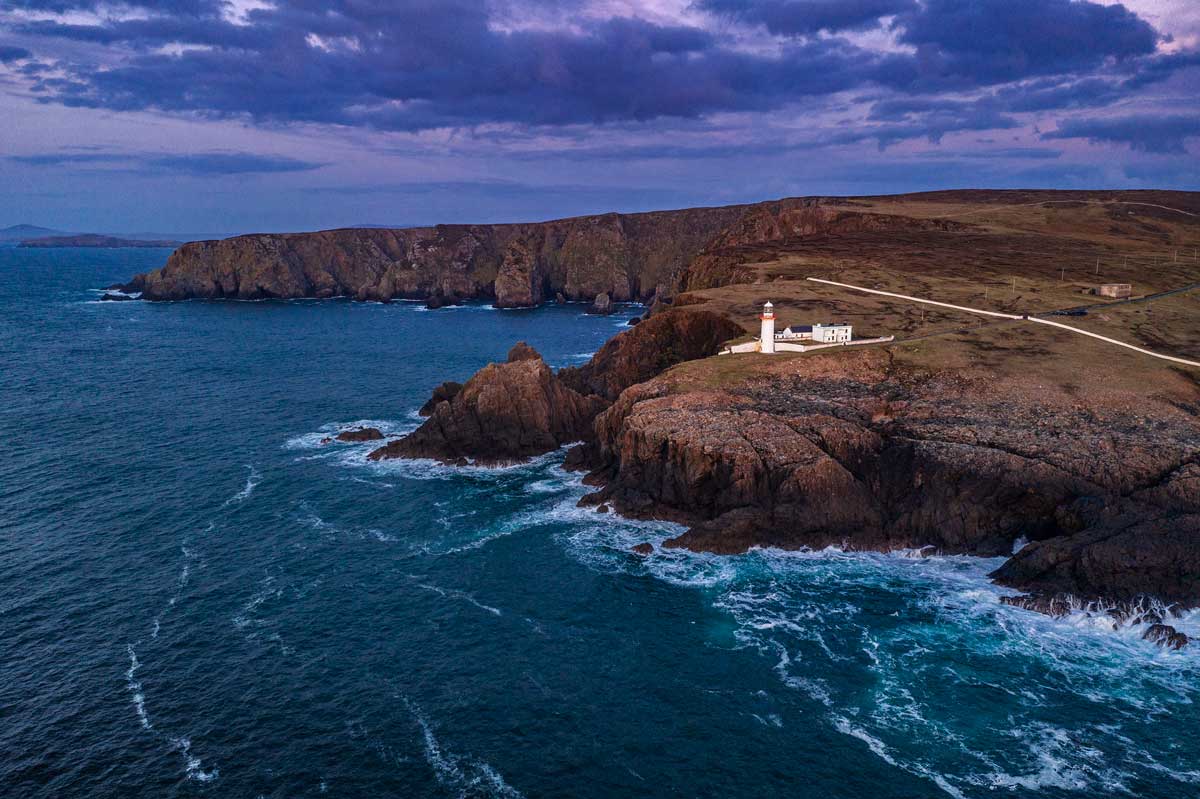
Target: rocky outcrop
point(854, 451)
point(505, 413)
point(512, 411)
point(602, 305)
point(360, 434)
point(636, 355)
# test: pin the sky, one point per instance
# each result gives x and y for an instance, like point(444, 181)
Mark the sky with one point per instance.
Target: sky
point(232, 116)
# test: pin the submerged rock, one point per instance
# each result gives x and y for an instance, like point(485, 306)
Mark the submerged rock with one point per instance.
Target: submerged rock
point(116, 298)
point(1165, 636)
point(643, 549)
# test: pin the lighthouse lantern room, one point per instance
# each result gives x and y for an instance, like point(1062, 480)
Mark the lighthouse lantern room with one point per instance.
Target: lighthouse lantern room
point(767, 338)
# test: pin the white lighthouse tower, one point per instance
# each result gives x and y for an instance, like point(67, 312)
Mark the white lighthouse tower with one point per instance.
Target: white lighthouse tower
point(766, 341)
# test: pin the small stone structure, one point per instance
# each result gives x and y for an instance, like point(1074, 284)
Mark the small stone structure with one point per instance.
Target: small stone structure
point(1118, 291)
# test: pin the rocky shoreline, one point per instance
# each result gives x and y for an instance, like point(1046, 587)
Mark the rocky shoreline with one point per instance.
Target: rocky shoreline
point(1091, 504)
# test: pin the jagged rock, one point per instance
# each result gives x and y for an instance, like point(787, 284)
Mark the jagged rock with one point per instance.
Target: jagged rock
point(602, 305)
point(634, 321)
point(523, 352)
point(1054, 606)
point(1165, 636)
point(657, 344)
point(643, 549)
point(506, 413)
point(443, 393)
point(559, 298)
point(602, 509)
point(360, 434)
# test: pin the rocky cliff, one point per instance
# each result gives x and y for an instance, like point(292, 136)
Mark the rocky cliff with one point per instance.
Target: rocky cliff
point(627, 256)
point(857, 451)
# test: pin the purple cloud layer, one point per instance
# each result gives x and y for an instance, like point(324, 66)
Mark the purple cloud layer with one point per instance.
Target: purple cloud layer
point(592, 81)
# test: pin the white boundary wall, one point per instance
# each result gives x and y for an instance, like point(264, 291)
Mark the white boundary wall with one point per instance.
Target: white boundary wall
point(784, 346)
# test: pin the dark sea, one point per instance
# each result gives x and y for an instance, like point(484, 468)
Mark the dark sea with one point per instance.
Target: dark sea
point(199, 599)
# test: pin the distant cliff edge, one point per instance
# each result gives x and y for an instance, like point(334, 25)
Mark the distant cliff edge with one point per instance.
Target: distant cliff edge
point(626, 256)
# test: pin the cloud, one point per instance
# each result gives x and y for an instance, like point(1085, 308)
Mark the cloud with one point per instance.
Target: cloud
point(206, 164)
point(805, 17)
point(989, 41)
point(11, 54)
point(428, 64)
point(1148, 133)
point(193, 164)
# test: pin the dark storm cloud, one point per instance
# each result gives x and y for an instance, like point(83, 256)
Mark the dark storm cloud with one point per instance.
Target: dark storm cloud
point(800, 17)
point(443, 63)
point(195, 164)
point(1148, 133)
point(11, 54)
point(989, 41)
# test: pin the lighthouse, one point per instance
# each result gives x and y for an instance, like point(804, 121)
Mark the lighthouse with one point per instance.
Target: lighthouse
point(766, 341)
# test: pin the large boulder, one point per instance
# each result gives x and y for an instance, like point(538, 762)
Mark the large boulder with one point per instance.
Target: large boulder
point(602, 305)
point(506, 413)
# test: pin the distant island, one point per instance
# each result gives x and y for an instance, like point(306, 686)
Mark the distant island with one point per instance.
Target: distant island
point(96, 240)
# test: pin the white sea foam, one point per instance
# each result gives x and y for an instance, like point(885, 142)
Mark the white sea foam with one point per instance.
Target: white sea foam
point(464, 775)
point(193, 767)
point(456, 594)
point(252, 480)
point(324, 437)
point(135, 689)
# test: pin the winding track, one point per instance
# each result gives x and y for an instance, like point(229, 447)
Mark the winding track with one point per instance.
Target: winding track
point(1025, 317)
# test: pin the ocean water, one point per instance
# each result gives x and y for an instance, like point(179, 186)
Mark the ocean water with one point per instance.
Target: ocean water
point(197, 598)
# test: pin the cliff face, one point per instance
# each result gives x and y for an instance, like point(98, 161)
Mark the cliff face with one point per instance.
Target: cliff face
point(626, 256)
point(855, 451)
